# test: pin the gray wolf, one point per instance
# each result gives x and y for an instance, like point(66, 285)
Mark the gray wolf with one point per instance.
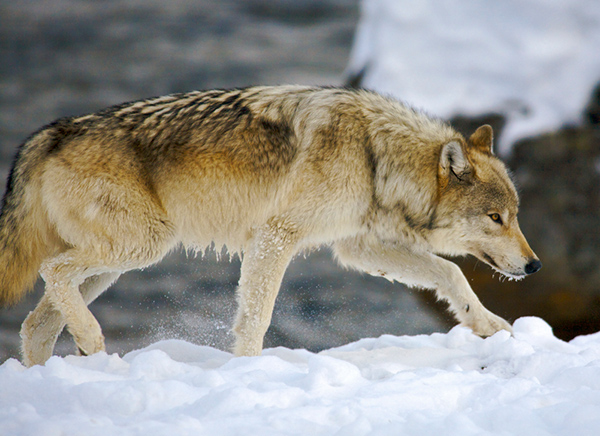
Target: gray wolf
point(266, 172)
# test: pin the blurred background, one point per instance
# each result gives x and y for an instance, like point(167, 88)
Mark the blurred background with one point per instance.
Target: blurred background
point(61, 58)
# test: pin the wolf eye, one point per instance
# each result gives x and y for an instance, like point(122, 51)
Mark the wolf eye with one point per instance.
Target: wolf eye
point(496, 218)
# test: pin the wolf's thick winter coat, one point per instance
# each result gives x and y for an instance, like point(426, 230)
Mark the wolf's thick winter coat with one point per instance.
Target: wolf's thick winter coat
point(266, 171)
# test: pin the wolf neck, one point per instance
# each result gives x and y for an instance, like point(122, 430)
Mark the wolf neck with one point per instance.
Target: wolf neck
point(406, 146)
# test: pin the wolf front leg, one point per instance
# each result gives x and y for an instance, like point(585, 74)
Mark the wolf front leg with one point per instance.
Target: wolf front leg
point(266, 258)
point(424, 270)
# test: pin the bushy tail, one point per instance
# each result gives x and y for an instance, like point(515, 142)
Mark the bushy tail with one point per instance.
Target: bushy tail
point(25, 234)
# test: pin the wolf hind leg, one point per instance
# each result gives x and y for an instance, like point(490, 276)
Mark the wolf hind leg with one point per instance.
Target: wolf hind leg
point(63, 276)
point(41, 328)
point(109, 223)
point(266, 258)
point(425, 270)
point(95, 285)
point(39, 333)
point(73, 279)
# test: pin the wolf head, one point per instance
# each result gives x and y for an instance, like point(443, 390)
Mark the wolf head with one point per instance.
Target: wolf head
point(477, 208)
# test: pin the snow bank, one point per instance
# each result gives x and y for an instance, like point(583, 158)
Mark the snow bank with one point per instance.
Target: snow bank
point(534, 61)
point(451, 384)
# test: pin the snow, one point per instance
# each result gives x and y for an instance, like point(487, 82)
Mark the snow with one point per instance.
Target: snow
point(452, 384)
point(534, 61)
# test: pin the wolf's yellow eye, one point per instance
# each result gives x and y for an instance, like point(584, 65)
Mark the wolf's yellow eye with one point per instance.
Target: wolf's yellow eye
point(496, 218)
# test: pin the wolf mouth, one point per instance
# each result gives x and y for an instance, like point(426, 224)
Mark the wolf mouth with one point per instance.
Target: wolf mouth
point(489, 260)
point(511, 275)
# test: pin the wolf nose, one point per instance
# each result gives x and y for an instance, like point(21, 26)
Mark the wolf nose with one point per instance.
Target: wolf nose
point(533, 266)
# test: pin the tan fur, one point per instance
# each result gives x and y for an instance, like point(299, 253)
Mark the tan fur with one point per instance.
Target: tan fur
point(266, 171)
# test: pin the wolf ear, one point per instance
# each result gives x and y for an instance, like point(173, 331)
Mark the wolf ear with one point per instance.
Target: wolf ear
point(482, 139)
point(454, 163)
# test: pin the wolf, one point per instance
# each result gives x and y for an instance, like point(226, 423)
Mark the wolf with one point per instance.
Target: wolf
point(266, 172)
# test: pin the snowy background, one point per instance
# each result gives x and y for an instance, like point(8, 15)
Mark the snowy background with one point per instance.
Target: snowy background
point(535, 62)
point(529, 67)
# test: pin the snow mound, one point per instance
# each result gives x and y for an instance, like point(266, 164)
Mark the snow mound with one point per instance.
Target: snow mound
point(452, 384)
point(536, 62)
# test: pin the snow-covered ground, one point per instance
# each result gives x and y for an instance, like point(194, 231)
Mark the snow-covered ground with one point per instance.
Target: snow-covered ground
point(534, 61)
point(442, 384)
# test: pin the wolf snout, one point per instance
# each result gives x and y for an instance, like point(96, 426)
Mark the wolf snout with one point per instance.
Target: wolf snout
point(533, 266)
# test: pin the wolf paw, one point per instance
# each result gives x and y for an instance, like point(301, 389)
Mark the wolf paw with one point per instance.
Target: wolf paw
point(89, 340)
point(487, 324)
point(89, 345)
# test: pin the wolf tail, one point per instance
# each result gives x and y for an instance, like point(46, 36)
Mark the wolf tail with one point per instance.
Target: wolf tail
point(26, 236)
